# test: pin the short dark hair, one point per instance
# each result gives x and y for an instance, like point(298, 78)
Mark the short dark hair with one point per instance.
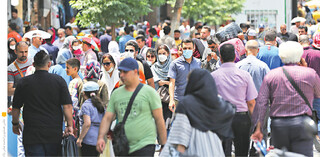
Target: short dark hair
point(49, 39)
point(199, 27)
point(140, 37)
point(197, 33)
point(166, 30)
point(41, 59)
point(177, 31)
point(127, 30)
point(13, 26)
point(227, 53)
point(207, 28)
point(94, 31)
point(14, 10)
point(68, 27)
point(75, 41)
point(187, 40)
point(270, 35)
point(141, 32)
point(108, 30)
point(153, 31)
point(304, 27)
point(74, 63)
point(132, 43)
point(244, 25)
point(88, 44)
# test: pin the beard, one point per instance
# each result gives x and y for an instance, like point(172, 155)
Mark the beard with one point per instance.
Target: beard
point(176, 38)
point(22, 59)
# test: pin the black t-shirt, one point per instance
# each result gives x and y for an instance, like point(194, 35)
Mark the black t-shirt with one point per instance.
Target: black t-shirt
point(42, 96)
point(284, 37)
point(147, 71)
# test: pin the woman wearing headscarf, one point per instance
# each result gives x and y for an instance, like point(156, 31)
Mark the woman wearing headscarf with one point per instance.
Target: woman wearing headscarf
point(110, 72)
point(11, 47)
point(160, 71)
point(201, 118)
point(92, 73)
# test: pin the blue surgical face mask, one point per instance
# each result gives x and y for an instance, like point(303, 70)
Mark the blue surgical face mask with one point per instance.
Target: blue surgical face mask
point(187, 54)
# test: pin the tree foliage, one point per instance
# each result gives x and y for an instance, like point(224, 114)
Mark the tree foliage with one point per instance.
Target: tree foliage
point(112, 12)
point(211, 11)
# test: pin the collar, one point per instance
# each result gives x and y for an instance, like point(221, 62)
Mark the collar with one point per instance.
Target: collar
point(32, 46)
point(41, 71)
point(183, 59)
point(291, 64)
point(251, 57)
point(228, 65)
point(306, 48)
point(22, 62)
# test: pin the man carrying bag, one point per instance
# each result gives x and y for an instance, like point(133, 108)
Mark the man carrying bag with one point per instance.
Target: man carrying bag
point(139, 114)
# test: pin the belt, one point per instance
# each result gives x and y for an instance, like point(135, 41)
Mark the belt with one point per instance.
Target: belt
point(242, 113)
point(288, 117)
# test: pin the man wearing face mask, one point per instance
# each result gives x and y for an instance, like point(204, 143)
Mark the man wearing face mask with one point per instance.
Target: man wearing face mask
point(62, 36)
point(179, 70)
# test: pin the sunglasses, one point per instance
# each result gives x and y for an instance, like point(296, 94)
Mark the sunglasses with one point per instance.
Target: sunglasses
point(129, 50)
point(150, 56)
point(106, 63)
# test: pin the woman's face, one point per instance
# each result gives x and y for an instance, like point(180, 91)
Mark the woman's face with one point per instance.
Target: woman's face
point(107, 64)
point(163, 52)
point(151, 57)
point(12, 43)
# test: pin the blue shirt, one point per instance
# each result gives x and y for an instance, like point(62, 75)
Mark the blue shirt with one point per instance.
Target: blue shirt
point(179, 70)
point(53, 51)
point(270, 55)
point(88, 109)
point(32, 51)
point(256, 68)
point(123, 40)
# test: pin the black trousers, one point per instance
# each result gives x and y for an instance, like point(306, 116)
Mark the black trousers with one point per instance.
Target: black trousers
point(145, 151)
point(89, 150)
point(291, 134)
point(241, 129)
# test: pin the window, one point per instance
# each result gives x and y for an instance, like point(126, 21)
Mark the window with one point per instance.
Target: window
point(267, 17)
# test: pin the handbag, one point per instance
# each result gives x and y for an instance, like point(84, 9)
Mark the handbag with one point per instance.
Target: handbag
point(314, 112)
point(163, 91)
point(120, 142)
point(69, 146)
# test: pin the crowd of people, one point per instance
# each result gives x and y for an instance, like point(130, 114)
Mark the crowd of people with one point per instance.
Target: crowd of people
point(200, 94)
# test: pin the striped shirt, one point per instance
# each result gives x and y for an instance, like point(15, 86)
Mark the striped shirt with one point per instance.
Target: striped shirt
point(197, 143)
point(13, 73)
point(285, 100)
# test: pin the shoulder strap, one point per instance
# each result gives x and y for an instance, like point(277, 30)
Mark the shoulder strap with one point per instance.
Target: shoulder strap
point(16, 65)
point(296, 87)
point(130, 102)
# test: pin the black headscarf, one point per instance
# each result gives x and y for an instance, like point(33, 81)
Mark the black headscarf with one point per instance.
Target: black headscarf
point(11, 55)
point(204, 109)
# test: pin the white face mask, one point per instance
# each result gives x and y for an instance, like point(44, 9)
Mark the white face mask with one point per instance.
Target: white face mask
point(127, 55)
point(162, 58)
point(61, 39)
point(76, 47)
point(110, 70)
point(12, 47)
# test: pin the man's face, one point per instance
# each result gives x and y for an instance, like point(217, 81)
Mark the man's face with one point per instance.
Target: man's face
point(85, 47)
point(126, 76)
point(204, 34)
point(37, 41)
point(187, 46)
point(14, 15)
point(131, 49)
point(22, 52)
point(283, 29)
point(176, 35)
point(302, 32)
point(213, 47)
point(70, 70)
point(297, 24)
point(68, 31)
point(61, 34)
point(140, 43)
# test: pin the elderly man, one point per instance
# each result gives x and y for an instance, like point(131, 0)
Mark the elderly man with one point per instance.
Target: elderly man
point(35, 46)
point(237, 87)
point(62, 36)
point(288, 109)
point(295, 28)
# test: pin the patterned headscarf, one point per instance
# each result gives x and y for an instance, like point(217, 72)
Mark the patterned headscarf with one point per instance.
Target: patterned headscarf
point(92, 69)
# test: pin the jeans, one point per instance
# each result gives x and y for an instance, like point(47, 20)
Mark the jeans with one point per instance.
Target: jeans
point(316, 106)
point(52, 149)
point(289, 132)
point(145, 151)
point(241, 129)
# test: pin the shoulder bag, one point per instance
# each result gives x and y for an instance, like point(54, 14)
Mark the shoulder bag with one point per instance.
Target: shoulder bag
point(163, 92)
point(120, 142)
point(314, 112)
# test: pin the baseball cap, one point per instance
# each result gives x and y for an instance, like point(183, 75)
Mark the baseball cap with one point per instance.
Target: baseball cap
point(261, 25)
point(252, 32)
point(90, 86)
point(316, 40)
point(128, 64)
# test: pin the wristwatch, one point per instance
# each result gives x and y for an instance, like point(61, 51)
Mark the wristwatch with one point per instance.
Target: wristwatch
point(15, 123)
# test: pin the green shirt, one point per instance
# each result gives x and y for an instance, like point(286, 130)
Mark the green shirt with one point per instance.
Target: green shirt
point(140, 126)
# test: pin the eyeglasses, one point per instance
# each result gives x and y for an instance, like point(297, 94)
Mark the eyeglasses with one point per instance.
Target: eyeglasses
point(150, 56)
point(106, 63)
point(129, 50)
